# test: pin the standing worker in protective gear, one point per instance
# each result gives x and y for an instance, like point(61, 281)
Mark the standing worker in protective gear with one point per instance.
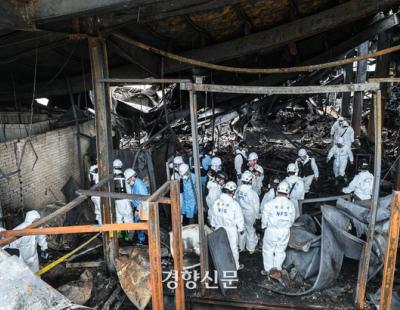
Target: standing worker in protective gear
point(342, 153)
point(240, 160)
point(277, 218)
point(214, 191)
point(362, 184)
point(117, 166)
point(271, 194)
point(137, 188)
point(296, 187)
point(94, 179)
point(27, 245)
point(227, 214)
point(178, 160)
point(307, 169)
point(258, 172)
point(250, 205)
point(336, 128)
point(123, 209)
point(188, 190)
point(347, 133)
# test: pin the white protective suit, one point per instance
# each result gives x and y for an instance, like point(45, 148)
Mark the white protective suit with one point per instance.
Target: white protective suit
point(296, 192)
point(250, 204)
point(361, 185)
point(347, 133)
point(27, 245)
point(309, 178)
point(228, 215)
point(268, 196)
point(96, 200)
point(342, 155)
point(257, 180)
point(123, 211)
point(214, 192)
point(335, 129)
point(277, 217)
point(240, 162)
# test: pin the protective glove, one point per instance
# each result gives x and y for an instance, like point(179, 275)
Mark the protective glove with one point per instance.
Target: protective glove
point(44, 254)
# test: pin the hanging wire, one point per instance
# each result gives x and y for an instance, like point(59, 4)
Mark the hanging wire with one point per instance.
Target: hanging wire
point(33, 90)
point(63, 65)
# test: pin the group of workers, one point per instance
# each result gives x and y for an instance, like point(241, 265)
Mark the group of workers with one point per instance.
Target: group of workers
point(233, 206)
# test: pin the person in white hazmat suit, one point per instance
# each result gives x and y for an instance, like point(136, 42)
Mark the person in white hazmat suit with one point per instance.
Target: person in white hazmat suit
point(296, 187)
point(307, 169)
point(271, 194)
point(362, 184)
point(214, 188)
point(336, 128)
point(277, 218)
point(178, 160)
point(240, 160)
point(27, 245)
point(228, 215)
point(347, 133)
point(123, 209)
point(257, 171)
point(342, 154)
point(250, 204)
point(94, 179)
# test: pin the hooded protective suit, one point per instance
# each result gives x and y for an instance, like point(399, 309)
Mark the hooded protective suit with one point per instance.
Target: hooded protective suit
point(347, 133)
point(189, 205)
point(94, 179)
point(361, 185)
point(214, 192)
point(257, 180)
point(240, 163)
point(342, 155)
point(308, 170)
point(250, 205)
point(27, 245)
point(227, 214)
point(296, 191)
point(335, 128)
point(277, 217)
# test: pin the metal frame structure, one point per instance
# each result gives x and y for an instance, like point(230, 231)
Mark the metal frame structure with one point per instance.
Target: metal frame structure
point(152, 226)
point(192, 88)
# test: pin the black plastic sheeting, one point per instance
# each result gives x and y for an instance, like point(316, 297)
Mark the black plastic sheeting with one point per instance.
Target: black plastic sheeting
point(337, 241)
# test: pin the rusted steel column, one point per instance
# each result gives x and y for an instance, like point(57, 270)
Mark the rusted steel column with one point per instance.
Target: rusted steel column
point(177, 245)
point(97, 50)
point(361, 77)
point(365, 258)
point(199, 196)
point(157, 298)
point(391, 253)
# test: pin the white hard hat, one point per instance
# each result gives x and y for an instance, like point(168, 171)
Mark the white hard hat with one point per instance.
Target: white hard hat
point(283, 188)
point(128, 173)
point(178, 160)
point(302, 152)
point(230, 186)
point(247, 176)
point(291, 168)
point(340, 140)
point(216, 161)
point(253, 156)
point(31, 216)
point(183, 168)
point(117, 163)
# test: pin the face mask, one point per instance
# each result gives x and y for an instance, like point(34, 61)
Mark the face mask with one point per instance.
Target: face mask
point(252, 164)
point(131, 182)
point(185, 177)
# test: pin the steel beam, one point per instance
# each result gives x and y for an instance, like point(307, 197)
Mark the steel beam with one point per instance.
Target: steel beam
point(365, 258)
point(278, 90)
point(199, 195)
point(75, 229)
point(114, 195)
point(361, 77)
point(103, 139)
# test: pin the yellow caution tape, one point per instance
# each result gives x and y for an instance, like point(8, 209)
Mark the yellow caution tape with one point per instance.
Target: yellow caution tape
point(66, 256)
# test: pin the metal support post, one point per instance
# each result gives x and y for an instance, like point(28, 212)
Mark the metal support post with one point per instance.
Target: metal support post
point(177, 245)
point(199, 196)
point(157, 298)
point(97, 54)
point(365, 258)
point(361, 77)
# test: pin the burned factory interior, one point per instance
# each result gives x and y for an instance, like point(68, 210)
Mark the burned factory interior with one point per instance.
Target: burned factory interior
point(191, 154)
